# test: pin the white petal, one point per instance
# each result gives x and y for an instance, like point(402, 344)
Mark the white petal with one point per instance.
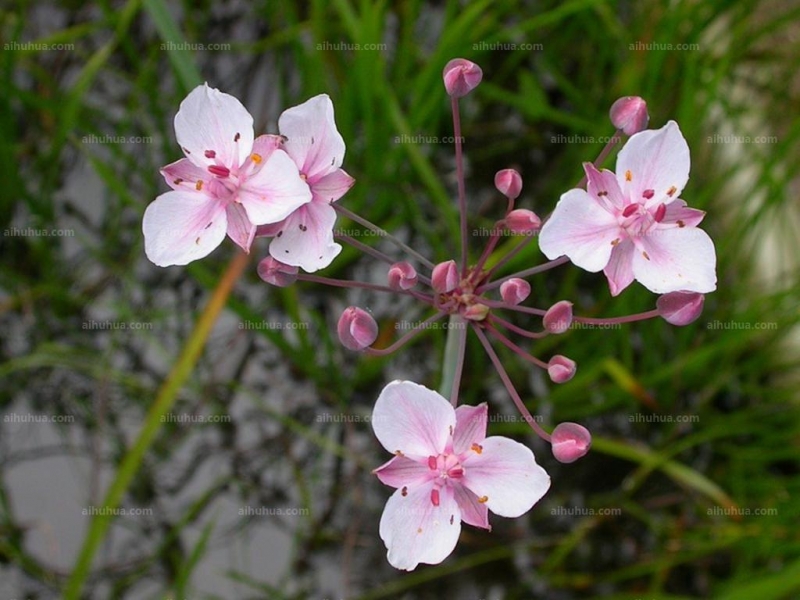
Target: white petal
point(470, 426)
point(312, 138)
point(306, 238)
point(332, 186)
point(275, 191)
point(240, 229)
point(678, 259)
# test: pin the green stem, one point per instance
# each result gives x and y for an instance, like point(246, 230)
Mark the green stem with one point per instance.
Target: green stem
point(152, 424)
point(453, 360)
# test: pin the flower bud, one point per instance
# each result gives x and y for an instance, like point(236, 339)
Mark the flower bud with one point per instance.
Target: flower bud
point(680, 308)
point(461, 76)
point(357, 329)
point(515, 290)
point(402, 276)
point(276, 273)
point(522, 220)
point(509, 183)
point(445, 278)
point(476, 312)
point(629, 114)
point(570, 442)
point(558, 317)
point(561, 369)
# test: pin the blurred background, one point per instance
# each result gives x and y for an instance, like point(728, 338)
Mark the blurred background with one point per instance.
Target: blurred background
point(257, 482)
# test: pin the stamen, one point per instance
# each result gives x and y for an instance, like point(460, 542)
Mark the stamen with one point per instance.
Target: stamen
point(432, 463)
point(647, 194)
point(660, 212)
point(210, 154)
point(236, 137)
point(435, 497)
point(628, 175)
point(199, 185)
point(645, 255)
point(476, 448)
point(483, 499)
point(671, 191)
point(256, 158)
point(404, 491)
point(219, 171)
point(630, 209)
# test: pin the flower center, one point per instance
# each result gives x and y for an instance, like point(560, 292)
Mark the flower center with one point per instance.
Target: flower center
point(445, 466)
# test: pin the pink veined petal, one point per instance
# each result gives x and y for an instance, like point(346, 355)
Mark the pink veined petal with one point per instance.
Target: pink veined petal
point(470, 426)
point(473, 512)
point(329, 188)
point(680, 215)
point(619, 270)
point(603, 186)
point(312, 139)
point(183, 174)
point(263, 147)
point(505, 476)
point(580, 229)
point(656, 160)
point(274, 192)
point(210, 120)
point(240, 229)
point(306, 239)
point(413, 420)
point(675, 259)
point(180, 227)
point(401, 470)
point(415, 531)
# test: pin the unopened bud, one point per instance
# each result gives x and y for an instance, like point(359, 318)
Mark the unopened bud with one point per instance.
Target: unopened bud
point(461, 76)
point(445, 278)
point(522, 220)
point(357, 329)
point(680, 308)
point(570, 442)
point(476, 312)
point(276, 273)
point(558, 317)
point(629, 114)
point(509, 183)
point(515, 290)
point(402, 276)
point(561, 369)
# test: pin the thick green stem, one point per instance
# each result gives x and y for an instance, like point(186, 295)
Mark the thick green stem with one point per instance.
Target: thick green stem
point(453, 360)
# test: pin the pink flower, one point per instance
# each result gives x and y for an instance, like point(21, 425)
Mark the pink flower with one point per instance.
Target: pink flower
point(228, 182)
point(446, 471)
point(633, 225)
point(305, 238)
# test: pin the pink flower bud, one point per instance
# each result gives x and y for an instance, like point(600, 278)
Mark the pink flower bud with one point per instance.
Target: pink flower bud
point(522, 220)
point(461, 76)
point(476, 312)
point(402, 276)
point(509, 183)
point(276, 273)
point(445, 278)
point(570, 442)
point(629, 114)
point(561, 369)
point(357, 329)
point(558, 317)
point(680, 308)
point(515, 290)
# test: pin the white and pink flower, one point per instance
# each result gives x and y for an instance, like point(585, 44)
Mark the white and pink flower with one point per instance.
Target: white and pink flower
point(446, 471)
point(633, 224)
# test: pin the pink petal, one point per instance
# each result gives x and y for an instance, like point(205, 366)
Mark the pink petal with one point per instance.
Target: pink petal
point(263, 147)
point(412, 419)
point(603, 186)
point(505, 476)
point(677, 259)
point(306, 238)
point(473, 512)
point(180, 227)
point(312, 139)
point(470, 426)
point(183, 174)
point(209, 121)
point(401, 470)
point(274, 192)
point(619, 270)
point(415, 531)
point(240, 229)
point(332, 186)
point(657, 160)
point(580, 229)
point(680, 215)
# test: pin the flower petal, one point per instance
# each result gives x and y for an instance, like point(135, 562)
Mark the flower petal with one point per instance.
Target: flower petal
point(473, 511)
point(312, 139)
point(306, 238)
point(470, 426)
point(505, 476)
point(656, 160)
point(619, 270)
point(183, 174)
point(580, 229)
point(676, 259)
point(401, 470)
point(412, 419)
point(680, 215)
point(603, 187)
point(415, 531)
point(210, 121)
point(332, 186)
point(275, 191)
point(240, 229)
point(180, 227)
